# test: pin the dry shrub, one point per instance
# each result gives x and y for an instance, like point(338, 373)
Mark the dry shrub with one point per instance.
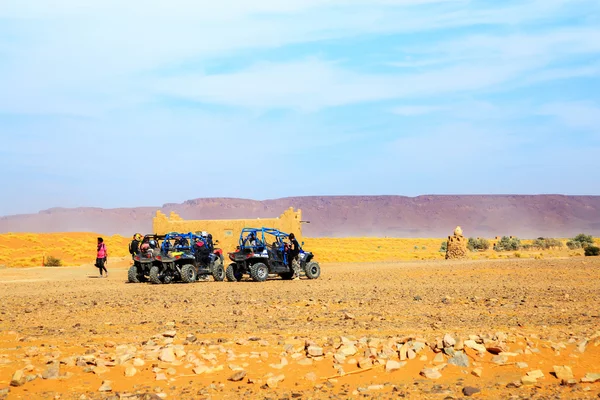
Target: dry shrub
point(53, 262)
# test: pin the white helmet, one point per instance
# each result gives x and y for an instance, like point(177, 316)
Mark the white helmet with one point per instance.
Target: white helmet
point(204, 234)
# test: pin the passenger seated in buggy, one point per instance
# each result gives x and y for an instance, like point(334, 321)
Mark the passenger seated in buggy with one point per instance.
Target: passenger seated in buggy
point(201, 253)
point(252, 241)
point(278, 249)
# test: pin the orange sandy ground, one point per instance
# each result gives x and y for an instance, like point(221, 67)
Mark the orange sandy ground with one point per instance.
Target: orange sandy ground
point(60, 314)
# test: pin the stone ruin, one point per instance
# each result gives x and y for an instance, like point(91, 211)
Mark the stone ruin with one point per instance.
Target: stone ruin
point(457, 246)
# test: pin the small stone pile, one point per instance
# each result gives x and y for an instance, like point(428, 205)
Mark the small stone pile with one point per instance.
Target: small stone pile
point(457, 246)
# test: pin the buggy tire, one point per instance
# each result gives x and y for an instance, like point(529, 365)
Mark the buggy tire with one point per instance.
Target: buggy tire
point(259, 272)
point(188, 273)
point(312, 270)
point(286, 276)
point(232, 274)
point(132, 275)
point(218, 272)
point(155, 275)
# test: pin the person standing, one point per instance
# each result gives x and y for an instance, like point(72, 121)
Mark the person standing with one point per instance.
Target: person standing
point(101, 256)
point(293, 256)
point(134, 246)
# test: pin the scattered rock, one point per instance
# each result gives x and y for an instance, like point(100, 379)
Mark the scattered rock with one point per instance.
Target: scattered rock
point(100, 370)
point(591, 377)
point(315, 351)
point(431, 373)
point(238, 376)
point(537, 374)
point(528, 380)
point(273, 382)
point(138, 362)
point(348, 351)
point(471, 344)
point(349, 316)
point(470, 390)
point(200, 369)
point(496, 349)
point(477, 372)
point(499, 359)
point(52, 372)
point(167, 355)
point(106, 386)
point(392, 366)
point(564, 373)
point(170, 334)
point(18, 378)
point(439, 358)
point(460, 359)
point(449, 341)
point(522, 365)
point(130, 371)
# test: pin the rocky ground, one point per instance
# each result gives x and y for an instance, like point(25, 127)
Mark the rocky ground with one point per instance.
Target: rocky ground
point(441, 330)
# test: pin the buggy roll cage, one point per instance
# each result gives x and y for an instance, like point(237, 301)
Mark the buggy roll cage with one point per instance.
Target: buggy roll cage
point(259, 234)
point(190, 237)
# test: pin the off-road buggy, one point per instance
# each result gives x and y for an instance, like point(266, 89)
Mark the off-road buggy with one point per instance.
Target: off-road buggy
point(263, 252)
point(187, 258)
point(143, 261)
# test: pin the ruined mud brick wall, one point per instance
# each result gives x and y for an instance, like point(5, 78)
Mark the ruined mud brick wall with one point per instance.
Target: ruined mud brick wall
point(227, 231)
point(457, 246)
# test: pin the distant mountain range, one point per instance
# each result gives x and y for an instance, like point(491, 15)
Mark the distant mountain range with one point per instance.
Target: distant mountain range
point(339, 216)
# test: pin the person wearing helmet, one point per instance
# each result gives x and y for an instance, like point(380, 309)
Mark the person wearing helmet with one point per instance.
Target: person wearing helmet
point(208, 240)
point(134, 246)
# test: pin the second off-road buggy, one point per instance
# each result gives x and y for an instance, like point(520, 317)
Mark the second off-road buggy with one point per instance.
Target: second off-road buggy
point(186, 258)
point(144, 260)
point(263, 252)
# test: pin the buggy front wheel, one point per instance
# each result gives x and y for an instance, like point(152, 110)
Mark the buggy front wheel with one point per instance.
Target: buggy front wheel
point(312, 270)
point(218, 272)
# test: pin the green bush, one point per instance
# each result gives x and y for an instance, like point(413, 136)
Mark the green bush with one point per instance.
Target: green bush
point(585, 240)
point(592, 251)
point(547, 243)
point(444, 246)
point(478, 244)
point(580, 241)
point(508, 244)
point(53, 262)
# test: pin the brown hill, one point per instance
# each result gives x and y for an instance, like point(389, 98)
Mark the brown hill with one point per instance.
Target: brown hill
point(335, 216)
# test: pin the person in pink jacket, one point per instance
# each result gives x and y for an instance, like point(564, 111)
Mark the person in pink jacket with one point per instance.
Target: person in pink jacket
point(101, 256)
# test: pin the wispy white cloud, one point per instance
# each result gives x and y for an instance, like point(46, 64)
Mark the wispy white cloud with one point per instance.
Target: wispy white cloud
point(577, 115)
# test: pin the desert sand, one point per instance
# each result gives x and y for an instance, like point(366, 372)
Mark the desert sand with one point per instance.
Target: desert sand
point(510, 328)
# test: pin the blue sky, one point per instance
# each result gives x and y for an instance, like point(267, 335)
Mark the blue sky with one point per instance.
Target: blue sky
point(110, 103)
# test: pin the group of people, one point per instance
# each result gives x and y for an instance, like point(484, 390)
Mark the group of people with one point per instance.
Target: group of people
point(203, 249)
